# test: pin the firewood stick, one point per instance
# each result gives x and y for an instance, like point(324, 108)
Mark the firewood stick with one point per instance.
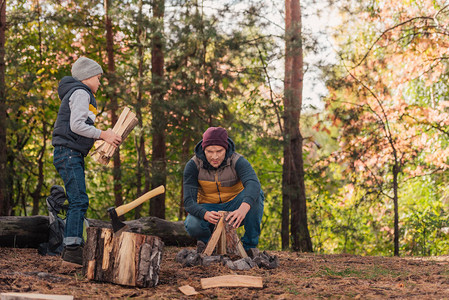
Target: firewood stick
point(215, 237)
point(118, 129)
point(123, 127)
point(111, 149)
point(131, 126)
point(117, 125)
point(121, 118)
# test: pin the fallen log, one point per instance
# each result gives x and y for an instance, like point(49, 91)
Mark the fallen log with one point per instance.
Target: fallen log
point(29, 232)
point(23, 232)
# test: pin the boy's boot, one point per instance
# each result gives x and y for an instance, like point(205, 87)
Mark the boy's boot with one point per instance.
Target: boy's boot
point(73, 254)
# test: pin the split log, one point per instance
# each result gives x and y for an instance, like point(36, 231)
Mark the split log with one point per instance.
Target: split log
point(33, 296)
point(233, 243)
point(29, 232)
point(215, 237)
point(128, 258)
point(232, 281)
point(225, 239)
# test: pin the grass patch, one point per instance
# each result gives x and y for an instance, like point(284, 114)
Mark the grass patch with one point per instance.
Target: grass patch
point(292, 290)
point(371, 273)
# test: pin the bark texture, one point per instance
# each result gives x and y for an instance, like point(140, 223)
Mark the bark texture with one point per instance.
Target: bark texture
point(128, 258)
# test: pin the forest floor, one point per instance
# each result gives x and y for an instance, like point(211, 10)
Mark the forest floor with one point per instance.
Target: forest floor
point(299, 276)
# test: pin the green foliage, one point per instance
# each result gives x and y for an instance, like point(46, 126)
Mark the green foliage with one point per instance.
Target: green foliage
point(216, 75)
point(425, 217)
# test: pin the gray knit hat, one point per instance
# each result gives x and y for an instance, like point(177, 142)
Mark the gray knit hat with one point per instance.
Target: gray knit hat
point(85, 68)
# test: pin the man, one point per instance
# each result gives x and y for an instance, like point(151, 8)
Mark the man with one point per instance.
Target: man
point(219, 179)
point(73, 136)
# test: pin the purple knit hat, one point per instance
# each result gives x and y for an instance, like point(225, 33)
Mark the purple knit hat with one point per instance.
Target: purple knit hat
point(216, 136)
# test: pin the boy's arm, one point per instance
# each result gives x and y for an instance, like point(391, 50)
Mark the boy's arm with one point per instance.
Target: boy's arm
point(79, 112)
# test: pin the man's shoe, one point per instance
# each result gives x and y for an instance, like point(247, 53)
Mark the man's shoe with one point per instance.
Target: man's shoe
point(73, 254)
point(252, 252)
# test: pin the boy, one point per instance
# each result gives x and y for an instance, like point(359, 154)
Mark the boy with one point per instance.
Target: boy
point(73, 136)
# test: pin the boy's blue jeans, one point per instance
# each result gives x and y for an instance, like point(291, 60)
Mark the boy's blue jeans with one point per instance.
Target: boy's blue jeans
point(70, 165)
point(201, 230)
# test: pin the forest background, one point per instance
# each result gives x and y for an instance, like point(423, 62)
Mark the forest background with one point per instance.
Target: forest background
point(375, 153)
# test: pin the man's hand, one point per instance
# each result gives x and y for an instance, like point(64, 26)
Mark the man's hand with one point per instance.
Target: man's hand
point(212, 217)
point(111, 137)
point(236, 217)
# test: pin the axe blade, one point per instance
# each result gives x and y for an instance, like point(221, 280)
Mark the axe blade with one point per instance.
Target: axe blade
point(117, 225)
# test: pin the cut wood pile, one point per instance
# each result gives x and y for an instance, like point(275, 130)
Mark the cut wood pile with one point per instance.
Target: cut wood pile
point(190, 258)
point(125, 124)
point(225, 244)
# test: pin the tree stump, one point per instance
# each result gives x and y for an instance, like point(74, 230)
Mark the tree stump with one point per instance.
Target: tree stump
point(128, 258)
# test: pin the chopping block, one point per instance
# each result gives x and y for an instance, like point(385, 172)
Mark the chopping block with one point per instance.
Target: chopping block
point(130, 258)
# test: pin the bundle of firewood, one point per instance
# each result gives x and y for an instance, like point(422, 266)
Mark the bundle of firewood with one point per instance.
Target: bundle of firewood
point(125, 124)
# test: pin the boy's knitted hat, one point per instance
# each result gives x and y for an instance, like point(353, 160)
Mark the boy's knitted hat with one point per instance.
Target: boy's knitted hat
point(85, 68)
point(215, 136)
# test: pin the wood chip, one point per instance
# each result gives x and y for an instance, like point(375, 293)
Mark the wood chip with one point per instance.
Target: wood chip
point(188, 290)
point(232, 281)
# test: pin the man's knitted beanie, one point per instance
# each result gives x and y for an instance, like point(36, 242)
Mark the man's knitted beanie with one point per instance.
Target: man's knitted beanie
point(85, 68)
point(215, 136)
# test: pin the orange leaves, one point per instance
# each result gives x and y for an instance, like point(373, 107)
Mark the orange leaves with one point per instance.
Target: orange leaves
point(391, 109)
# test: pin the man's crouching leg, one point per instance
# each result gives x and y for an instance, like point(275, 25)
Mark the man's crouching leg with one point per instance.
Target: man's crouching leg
point(252, 223)
point(197, 228)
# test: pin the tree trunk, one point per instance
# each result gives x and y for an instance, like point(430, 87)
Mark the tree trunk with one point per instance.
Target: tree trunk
point(29, 232)
point(116, 172)
point(36, 194)
point(143, 168)
point(293, 169)
point(5, 207)
point(396, 209)
point(158, 162)
point(285, 225)
point(185, 154)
